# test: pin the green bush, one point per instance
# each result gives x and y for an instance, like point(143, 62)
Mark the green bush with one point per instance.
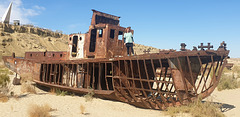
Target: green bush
point(89, 95)
point(228, 82)
point(196, 109)
point(4, 80)
point(60, 92)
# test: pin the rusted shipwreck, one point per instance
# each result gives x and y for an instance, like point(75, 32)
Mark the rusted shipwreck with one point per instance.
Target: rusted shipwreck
point(98, 59)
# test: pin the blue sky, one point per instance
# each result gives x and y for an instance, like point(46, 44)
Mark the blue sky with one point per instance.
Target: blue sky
point(163, 24)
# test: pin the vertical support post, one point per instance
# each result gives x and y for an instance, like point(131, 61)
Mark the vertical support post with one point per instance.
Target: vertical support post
point(99, 76)
point(93, 78)
point(46, 80)
point(59, 73)
point(51, 73)
point(106, 76)
point(190, 70)
point(140, 78)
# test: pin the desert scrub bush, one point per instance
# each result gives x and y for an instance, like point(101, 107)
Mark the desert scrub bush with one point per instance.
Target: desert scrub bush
point(60, 92)
point(26, 87)
point(228, 82)
point(196, 109)
point(4, 88)
point(4, 70)
point(82, 109)
point(39, 111)
point(52, 90)
point(236, 69)
point(3, 97)
point(89, 95)
point(26, 80)
point(4, 80)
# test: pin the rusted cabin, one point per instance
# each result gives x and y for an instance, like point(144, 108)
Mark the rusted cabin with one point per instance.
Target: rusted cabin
point(103, 40)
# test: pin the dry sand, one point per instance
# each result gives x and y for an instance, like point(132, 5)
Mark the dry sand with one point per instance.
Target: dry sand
point(69, 106)
point(230, 100)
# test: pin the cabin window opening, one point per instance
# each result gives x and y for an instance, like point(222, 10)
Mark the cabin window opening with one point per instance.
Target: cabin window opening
point(53, 55)
point(93, 40)
point(44, 54)
point(60, 55)
point(100, 32)
point(30, 55)
point(120, 35)
point(74, 46)
point(112, 32)
point(70, 38)
point(80, 38)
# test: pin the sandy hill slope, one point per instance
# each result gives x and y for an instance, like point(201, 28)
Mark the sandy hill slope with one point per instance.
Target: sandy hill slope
point(20, 39)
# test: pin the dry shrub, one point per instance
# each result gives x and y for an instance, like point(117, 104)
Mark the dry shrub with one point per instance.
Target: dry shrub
point(26, 77)
point(89, 96)
point(4, 70)
point(82, 109)
point(26, 87)
point(4, 87)
point(197, 109)
point(39, 111)
point(236, 69)
point(4, 80)
point(3, 97)
point(26, 80)
point(53, 91)
point(228, 82)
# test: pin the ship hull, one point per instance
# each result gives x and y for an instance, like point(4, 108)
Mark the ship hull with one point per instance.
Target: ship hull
point(155, 81)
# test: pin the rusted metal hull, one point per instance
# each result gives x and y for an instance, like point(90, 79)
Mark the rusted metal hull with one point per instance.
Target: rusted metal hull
point(154, 81)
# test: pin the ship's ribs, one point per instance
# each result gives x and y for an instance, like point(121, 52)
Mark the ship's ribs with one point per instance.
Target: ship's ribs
point(152, 81)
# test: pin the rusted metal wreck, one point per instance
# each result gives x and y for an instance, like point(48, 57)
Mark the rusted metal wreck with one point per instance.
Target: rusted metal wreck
point(98, 59)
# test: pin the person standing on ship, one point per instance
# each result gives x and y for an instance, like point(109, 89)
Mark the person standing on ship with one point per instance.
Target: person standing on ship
point(128, 40)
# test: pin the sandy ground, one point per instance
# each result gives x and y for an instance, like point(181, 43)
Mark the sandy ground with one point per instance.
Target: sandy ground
point(230, 100)
point(69, 106)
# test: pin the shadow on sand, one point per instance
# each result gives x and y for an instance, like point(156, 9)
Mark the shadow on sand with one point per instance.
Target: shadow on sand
point(223, 107)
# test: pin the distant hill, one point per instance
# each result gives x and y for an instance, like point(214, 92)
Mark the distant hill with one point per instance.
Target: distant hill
point(20, 39)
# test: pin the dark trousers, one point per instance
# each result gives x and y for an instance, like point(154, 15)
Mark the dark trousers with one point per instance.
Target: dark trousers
point(128, 45)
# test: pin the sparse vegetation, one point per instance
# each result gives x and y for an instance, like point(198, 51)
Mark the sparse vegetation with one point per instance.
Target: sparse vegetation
point(197, 109)
point(39, 111)
point(4, 70)
point(3, 97)
point(89, 95)
point(26, 80)
point(53, 91)
point(4, 87)
point(4, 80)
point(82, 109)
point(229, 80)
point(26, 87)
point(60, 92)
